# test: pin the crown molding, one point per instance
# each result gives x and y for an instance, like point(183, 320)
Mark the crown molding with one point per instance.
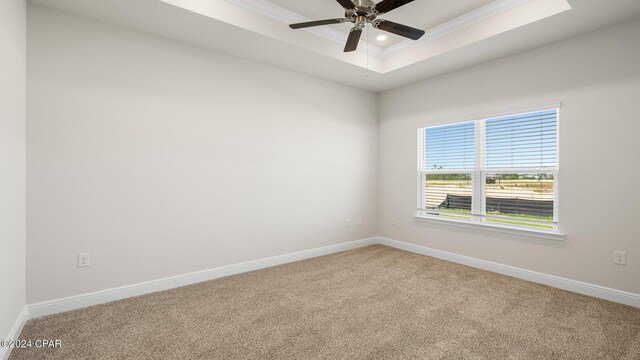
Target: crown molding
point(455, 24)
point(286, 16)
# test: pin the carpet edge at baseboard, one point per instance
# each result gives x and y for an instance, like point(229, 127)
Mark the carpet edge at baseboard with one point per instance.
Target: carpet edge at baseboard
point(104, 296)
point(579, 287)
point(14, 333)
point(55, 306)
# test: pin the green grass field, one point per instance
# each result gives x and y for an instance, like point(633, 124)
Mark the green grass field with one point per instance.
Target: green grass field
point(439, 186)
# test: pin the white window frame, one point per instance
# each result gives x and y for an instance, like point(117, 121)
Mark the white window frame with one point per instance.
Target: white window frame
point(478, 218)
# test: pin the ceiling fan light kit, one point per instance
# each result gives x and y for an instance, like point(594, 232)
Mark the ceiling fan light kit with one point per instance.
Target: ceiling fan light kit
point(363, 12)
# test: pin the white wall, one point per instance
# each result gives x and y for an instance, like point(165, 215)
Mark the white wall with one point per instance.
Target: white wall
point(161, 159)
point(13, 15)
point(597, 79)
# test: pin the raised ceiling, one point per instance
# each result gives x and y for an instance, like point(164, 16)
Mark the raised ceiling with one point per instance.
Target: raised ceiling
point(251, 29)
point(421, 14)
point(479, 23)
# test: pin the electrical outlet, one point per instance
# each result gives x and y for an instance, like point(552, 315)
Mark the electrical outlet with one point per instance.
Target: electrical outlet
point(84, 260)
point(393, 220)
point(620, 257)
point(347, 223)
point(360, 221)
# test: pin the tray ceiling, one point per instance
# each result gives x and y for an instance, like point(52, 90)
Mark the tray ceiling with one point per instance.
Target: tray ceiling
point(460, 33)
point(468, 22)
point(421, 14)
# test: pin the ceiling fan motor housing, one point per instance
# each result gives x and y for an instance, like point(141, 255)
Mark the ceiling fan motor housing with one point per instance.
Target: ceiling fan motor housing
point(364, 4)
point(362, 14)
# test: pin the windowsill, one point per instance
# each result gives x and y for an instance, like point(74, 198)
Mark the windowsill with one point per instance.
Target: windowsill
point(545, 234)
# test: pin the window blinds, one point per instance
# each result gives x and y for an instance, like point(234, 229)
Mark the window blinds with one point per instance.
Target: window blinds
point(450, 147)
point(522, 141)
point(500, 170)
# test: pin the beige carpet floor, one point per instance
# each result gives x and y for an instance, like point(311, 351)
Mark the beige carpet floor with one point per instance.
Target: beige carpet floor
point(370, 303)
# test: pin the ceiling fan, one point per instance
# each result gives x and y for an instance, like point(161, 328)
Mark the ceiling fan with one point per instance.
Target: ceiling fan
point(362, 12)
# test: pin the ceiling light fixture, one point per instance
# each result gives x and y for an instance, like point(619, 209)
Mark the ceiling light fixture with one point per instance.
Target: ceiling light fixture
point(381, 37)
point(363, 12)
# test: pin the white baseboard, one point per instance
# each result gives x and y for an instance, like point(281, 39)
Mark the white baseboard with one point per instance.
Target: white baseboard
point(103, 296)
point(15, 331)
point(579, 287)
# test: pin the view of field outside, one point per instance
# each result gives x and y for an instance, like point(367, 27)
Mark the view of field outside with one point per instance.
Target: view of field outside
point(535, 189)
point(519, 144)
point(516, 199)
point(440, 186)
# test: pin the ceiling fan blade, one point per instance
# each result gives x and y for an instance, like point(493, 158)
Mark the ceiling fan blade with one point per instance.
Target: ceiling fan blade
point(387, 5)
point(352, 41)
point(399, 29)
point(347, 4)
point(316, 23)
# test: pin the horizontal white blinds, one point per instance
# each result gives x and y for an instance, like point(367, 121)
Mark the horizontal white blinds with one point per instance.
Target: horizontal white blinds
point(522, 141)
point(450, 147)
point(500, 170)
point(450, 191)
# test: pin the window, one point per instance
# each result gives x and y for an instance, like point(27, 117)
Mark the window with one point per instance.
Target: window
point(499, 171)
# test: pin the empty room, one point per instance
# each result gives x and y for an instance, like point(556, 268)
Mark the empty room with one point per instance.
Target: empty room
point(327, 179)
